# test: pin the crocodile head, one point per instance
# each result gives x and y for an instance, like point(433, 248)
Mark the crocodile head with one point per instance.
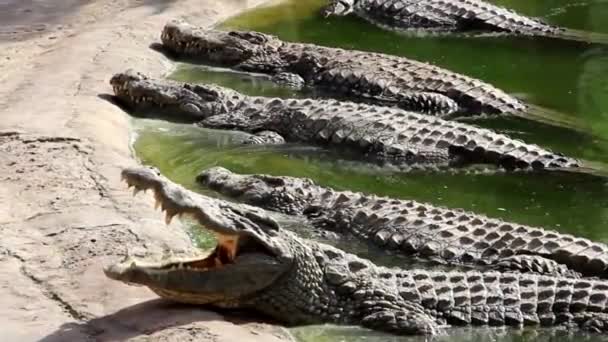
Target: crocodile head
point(184, 101)
point(225, 48)
point(339, 8)
point(285, 194)
point(249, 257)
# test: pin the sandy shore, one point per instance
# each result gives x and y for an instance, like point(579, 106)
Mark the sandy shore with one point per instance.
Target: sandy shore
point(64, 212)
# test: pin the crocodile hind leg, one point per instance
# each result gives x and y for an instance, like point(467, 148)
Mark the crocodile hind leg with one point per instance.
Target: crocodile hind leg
point(406, 319)
point(265, 138)
point(534, 264)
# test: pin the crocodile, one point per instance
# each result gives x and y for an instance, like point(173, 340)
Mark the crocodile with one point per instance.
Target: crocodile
point(356, 75)
point(443, 16)
point(382, 134)
point(412, 228)
point(259, 265)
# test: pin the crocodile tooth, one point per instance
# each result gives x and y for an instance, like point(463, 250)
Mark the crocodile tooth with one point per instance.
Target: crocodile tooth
point(156, 203)
point(136, 190)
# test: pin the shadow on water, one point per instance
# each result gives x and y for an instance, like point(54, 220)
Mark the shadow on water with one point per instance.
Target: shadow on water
point(246, 83)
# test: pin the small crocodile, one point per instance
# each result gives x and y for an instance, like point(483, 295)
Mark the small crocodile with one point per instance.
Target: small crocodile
point(382, 134)
point(258, 265)
point(443, 16)
point(356, 75)
point(409, 227)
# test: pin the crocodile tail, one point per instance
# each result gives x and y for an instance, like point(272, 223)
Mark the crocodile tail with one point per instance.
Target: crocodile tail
point(552, 117)
point(586, 167)
point(580, 36)
point(581, 301)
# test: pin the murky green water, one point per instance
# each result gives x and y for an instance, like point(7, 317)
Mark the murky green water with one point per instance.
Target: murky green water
point(568, 77)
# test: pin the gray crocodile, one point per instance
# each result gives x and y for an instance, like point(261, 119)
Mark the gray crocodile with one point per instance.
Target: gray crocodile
point(382, 134)
point(412, 228)
point(357, 75)
point(443, 16)
point(258, 265)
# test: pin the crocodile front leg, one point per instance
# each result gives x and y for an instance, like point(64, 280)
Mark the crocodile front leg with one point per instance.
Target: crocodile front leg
point(408, 319)
point(275, 66)
point(290, 80)
point(597, 323)
point(263, 63)
point(265, 138)
point(381, 307)
point(338, 8)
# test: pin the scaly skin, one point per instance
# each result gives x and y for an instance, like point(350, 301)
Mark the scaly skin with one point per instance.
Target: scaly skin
point(296, 281)
point(358, 75)
point(382, 134)
point(412, 228)
point(442, 16)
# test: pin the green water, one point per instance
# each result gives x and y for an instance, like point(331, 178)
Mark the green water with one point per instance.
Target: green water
point(568, 77)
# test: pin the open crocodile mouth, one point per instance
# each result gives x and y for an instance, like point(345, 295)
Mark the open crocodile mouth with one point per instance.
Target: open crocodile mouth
point(230, 248)
point(125, 91)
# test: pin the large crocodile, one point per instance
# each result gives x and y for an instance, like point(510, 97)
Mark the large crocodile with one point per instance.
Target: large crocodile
point(376, 77)
point(445, 16)
point(261, 266)
point(413, 228)
point(383, 134)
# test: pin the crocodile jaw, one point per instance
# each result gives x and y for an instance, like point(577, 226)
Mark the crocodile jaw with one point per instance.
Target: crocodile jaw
point(213, 46)
point(245, 260)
